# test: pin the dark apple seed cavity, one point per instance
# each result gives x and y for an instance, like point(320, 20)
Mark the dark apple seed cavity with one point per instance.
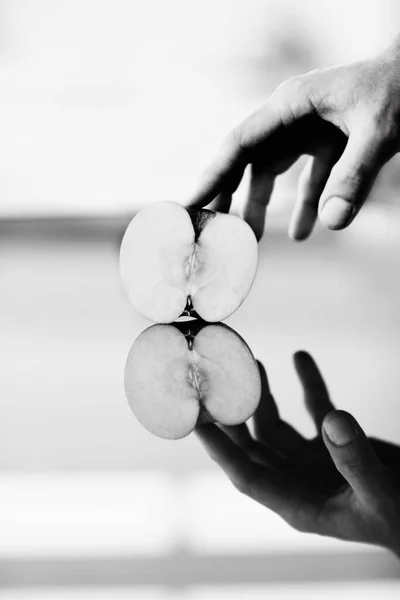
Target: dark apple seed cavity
point(199, 219)
point(189, 310)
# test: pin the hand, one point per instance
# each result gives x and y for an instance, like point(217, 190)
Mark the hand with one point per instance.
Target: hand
point(346, 118)
point(338, 484)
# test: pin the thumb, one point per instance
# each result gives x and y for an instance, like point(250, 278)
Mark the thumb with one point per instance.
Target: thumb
point(352, 454)
point(351, 179)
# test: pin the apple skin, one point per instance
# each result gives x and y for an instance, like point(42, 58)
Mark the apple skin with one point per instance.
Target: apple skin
point(190, 373)
point(183, 262)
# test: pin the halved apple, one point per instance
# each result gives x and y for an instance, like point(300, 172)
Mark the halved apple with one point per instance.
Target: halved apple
point(176, 261)
point(181, 375)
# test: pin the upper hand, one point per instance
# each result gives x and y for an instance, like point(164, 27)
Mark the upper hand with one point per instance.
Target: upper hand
point(346, 118)
point(337, 484)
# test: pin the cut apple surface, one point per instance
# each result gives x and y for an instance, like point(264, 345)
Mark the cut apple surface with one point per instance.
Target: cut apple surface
point(175, 261)
point(178, 376)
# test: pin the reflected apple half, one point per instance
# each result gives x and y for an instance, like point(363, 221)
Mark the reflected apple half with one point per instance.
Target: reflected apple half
point(189, 373)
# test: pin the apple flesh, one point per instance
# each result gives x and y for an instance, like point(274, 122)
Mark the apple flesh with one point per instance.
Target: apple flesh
point(176, 261)
point(182, 375)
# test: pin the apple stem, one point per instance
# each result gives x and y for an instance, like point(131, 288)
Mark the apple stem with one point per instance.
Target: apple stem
point(188, 311)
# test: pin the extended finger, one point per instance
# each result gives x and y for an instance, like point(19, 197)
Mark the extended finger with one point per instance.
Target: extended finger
point(257, 482)
point(225, 172)
point(239, 434)
point(311, 185)
point(260, 453)
point(316, 393)
point(269, 428)
point(222, 203)
point(354, 456)
point(352, 177)
point(259, 194)
point(267, 413)
point(262, 180)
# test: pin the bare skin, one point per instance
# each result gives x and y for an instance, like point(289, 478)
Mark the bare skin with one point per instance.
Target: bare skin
point(339, 484)
point(346, 118)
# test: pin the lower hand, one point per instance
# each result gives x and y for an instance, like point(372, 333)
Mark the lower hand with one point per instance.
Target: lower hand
point(338, 484)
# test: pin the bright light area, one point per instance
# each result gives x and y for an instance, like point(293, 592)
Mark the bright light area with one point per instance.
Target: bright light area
point(389, 590)
point(227, 522)
point(106, 105)
point(118, 593)
point(86, 514)
point(123, 514)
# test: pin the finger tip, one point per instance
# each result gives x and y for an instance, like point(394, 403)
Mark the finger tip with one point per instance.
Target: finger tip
point(302, 222)
point(254, 216)
point(299, 234)
point(258, 229)
point(333, 226)
point(299, 239)
point(337, 416)
point(265, 388)
point(336, 213)
point(339, 427)
point(300, 356)
point(262, 369)
point(329, 415)
point(304, 364)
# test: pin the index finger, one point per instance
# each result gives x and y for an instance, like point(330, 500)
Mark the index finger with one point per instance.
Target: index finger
point(316, 393)
point(259, 483)
point(225, 172)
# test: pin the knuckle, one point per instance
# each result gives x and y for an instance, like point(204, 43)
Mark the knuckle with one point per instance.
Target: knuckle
point(291, 88)
point(233, 139)
point(378, 118)
point(291, 85)
point(306, 83)
point(300, 521)
point(387, 130)
point(213, 455)
point(243, 484)
point(300, 525)
point(352, 179)
point(260, 433)
point(239, 139)
point(283, 88)
point(351, 468)
point(356, 468)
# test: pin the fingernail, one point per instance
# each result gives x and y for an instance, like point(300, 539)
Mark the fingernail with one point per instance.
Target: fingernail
point(337, 213)
point(339, 428)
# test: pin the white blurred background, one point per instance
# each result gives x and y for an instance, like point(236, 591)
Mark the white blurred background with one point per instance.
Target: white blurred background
point(104, 107)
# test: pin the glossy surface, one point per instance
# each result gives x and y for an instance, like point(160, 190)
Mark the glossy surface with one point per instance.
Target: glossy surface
point(194, 373)
point(67, 328)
